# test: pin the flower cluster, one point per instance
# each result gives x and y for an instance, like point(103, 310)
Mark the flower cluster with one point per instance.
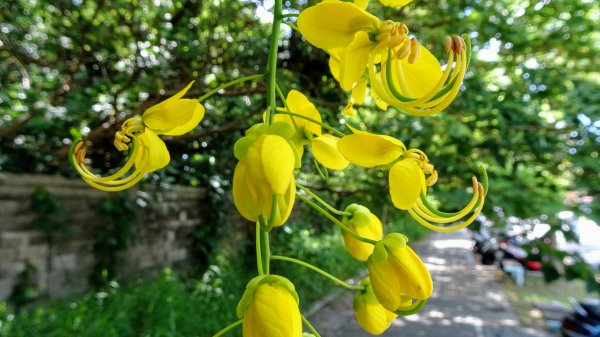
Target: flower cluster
point(363, 52)
point(172, 117)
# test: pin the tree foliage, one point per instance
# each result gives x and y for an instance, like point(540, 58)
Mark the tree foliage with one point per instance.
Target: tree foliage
point(529, 109)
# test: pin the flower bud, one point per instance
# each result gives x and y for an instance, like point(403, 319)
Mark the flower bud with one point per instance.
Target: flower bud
point(365, 224)
point(370, 314)
point(269, 307)
point(396, 272)
point(263, 180)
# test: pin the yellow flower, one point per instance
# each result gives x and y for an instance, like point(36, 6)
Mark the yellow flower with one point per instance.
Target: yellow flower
point(370, 314)
point(365, 224)
point(397, 272)
point(269, 307)
point(395, 3)
point(308, 131)
point(263, 180)
point(410, 173)
point(173, 116)
point(401, 72)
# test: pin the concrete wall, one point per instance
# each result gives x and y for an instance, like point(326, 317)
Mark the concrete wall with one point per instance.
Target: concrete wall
point(163, 233)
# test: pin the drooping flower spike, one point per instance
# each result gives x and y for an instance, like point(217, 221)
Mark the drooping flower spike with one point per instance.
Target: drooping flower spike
point(173, 116)
point(410, 173)
point(401, 72)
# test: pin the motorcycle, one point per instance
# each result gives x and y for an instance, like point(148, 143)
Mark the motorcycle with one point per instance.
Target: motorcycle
point(584, 321)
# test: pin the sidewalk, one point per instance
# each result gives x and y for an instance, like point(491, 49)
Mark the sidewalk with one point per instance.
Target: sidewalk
point(466, 300)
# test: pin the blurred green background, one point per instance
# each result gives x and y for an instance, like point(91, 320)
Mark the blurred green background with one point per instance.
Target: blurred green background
point(529, 111)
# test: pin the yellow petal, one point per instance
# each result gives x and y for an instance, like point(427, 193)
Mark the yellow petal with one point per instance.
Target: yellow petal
point(326, 152)
point(413, 276)
point(354, 59)
point(285, 204)
point(192, 123)
point(334, 63)
point(154, 154)
point(395, 3)
point(381, 104)
point(278, 163)
point(384, 284)
point(246, 195)
point(298, 103)
point(424, 74)
point(272, 312)
point(333, 24)
point(362, 4)
point(369, 150)
point(172, 113)
point(358, 249)
point(374, 318)
point(360, 90)
point(406, 182)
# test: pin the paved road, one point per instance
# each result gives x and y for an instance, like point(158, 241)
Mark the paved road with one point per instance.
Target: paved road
point(467, 301)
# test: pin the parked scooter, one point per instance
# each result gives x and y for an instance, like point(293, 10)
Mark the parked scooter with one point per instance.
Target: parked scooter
point(486, 245)
point(584, 321)
point(513, 249)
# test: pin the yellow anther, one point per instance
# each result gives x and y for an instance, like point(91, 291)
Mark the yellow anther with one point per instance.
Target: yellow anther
point(386, 27)
point(432, 179)
point(415, 51)
point(475, 182)
point(132, 125)
point(121, 141)
point(448, 44)
point(392, 34)
point(458, 43)
point(349, 108)
point(80, 153)
point(403, 51)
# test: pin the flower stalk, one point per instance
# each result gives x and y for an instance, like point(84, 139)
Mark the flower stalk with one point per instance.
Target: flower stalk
point(318, 270)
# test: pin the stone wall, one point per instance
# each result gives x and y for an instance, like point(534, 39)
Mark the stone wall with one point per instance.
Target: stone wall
point(163, 233)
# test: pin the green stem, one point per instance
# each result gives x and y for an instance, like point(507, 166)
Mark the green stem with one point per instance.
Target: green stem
point(291, 25)
point(322, 172)
point(259, 259)
point(335, 221)
point(266, 250)
point(322, 202)
point(228, 84)
point(323, 125)
point(272, 60)
point(229, 327)
point(310, 327)
point(290, 15)
point(318, 270)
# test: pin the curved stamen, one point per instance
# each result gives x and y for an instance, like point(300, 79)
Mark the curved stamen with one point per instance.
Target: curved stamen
point(429, 104)
point(392, 69)
point(411, 309)
point(459, 215)
point(138, 176)
point(115, 181)
point(455, 227)
point(79, 164)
